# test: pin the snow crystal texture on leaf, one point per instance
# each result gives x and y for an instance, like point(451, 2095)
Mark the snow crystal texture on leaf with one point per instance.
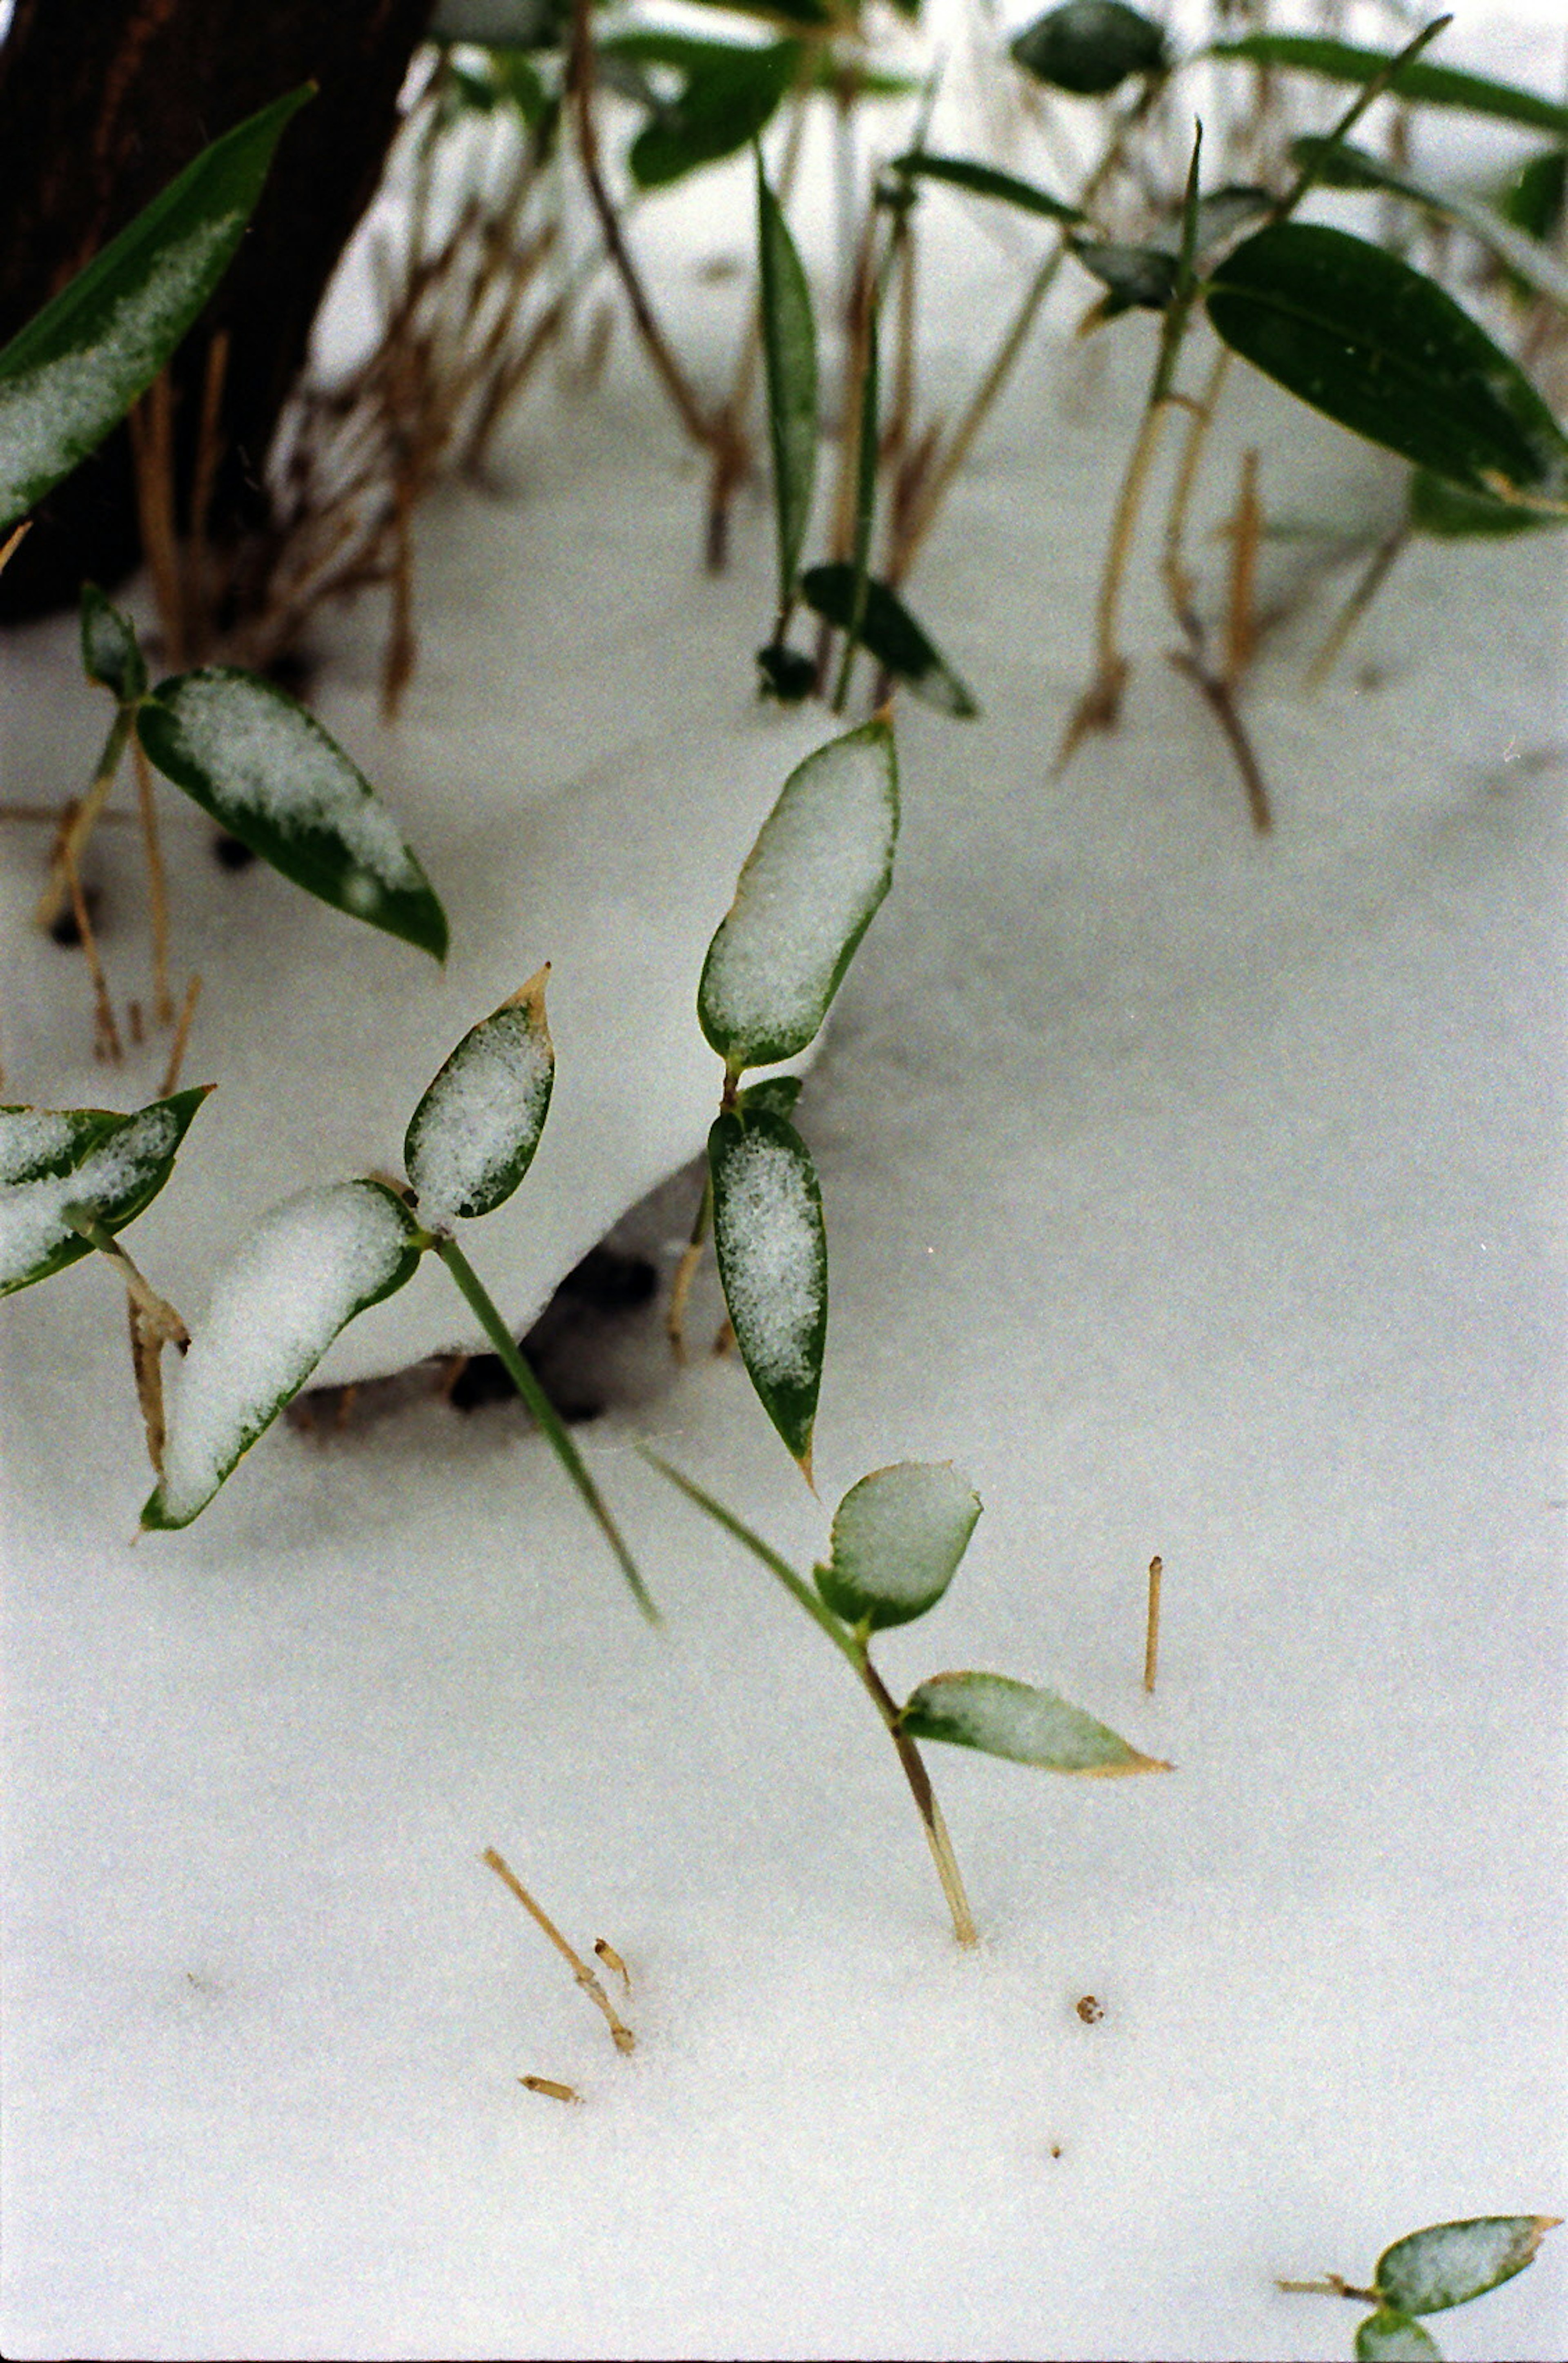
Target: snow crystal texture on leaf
point(821, 864)
point(773, 1261)
point(1449, 2263)
point(898, 1537)
point(474, 1133)
point(53, 1159)
point(306, 1270)
point(1002, 1718)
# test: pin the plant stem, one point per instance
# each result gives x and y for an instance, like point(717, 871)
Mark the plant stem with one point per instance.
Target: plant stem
point(1324, 151)
point(691, 1255)
point(544, 1412)
point(79, 823)
point(1366, 590)
point(159, 1315)
point(624, 2038)
point(1151, 1630)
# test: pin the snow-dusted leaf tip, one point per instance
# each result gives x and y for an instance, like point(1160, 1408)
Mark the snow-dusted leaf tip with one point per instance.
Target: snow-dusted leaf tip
point(56, 1161)
point(898, 1536)
point(109, 652)
point(772, 1251)
point(1389, 2338)
point(1002, 1717)
point(473, 1135)
point(308, 1268)
point(810, 886)
point(248, 754)
point(1448, 2263)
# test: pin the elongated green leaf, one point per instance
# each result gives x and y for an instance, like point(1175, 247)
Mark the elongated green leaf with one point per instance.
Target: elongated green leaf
point(772, 1251)
point(74, 370)
point(1537, 197)
point(809, 889)
point(898, 1536)
point(1448, 2264)
point(985, 181)
point(1388, 2337)
point(472, 1137)
point(53, 1160)
point(890, 634)
point(1002, 1717)
point(1342, 166)
point(728, 91)
point(109, 652)
point(268, 771)
point(1089, 47)
point(311, 1265)
point(1449, 512)
point(1360, 334)
point(1430, 85)
point(789, 355)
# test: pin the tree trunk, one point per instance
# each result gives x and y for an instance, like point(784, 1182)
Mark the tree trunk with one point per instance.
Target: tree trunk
point(99, 108)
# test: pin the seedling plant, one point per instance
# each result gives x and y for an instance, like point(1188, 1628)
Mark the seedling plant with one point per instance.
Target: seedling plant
point(1429, 2271)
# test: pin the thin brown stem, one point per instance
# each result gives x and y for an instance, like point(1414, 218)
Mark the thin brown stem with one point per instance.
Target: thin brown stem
point(1100, 705)
point(77, 823)
point(152, 451)
point(1366, 590)
point(1179, 586)
point(1241, 606)
point(107, 1043)
point(11, 543)
point(1222, 705)
point(181, 1036)
point(620, 2033)
point(157, 889)
point(1152, 1628)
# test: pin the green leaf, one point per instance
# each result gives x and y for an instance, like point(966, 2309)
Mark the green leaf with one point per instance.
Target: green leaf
point(267, 771)
point(1338, 165)
point(1448, 2264)
point(1091, 46)
point(789, 354)
point(311, 1265)
point(892, 635)
point(727, 92)
point(54, 1159)
point(1449, 512)
point(1360, 334)
point(109, 652)
point(771, 1252)
point(1002, 1717)
point(1536, 196)
point(1389, 2338)
point(472, 1137)
point(898, 1536)
point(1140, 278)
point(776, 1093)
point(808, 891)
point(74, 370)
point(985, 181)
point(1430, 86)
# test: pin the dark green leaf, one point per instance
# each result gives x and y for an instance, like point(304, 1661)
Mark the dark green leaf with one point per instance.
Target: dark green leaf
point(1449, 512)
point(727, 92)
point(891, 633)
point(1090, 46)
point(1339, 165)
point(52, 1160)
point(310, 1267)
point(1448, 2264)
point(1388, 2337)
point(272, 776)
point(1140, 278)
point(74, 370)
point(472, 1137)
point(1360, 334)
point(772, 1251)
point(109, 651)
point(1535, 197)
point(787, 674)
point(898, 1536)
point(775, 1093)
point(985, 181)
point(1430, 85)
point(789, 354)
point(1002, 1717)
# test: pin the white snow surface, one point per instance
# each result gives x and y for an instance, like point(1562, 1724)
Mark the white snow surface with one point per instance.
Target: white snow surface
point(484, 1110)
point(1194, 1193)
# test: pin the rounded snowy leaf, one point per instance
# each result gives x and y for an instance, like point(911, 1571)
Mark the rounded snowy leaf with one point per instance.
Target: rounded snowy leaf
point(772, 1262)
point(266, 770)
point(1090, 46)
point(1389, 2338)
point(822, 862)
point(53, 1160)
point(898, 1536)
point(307, 1269)
point(109, 651)
point(473, 1135)
point(1447, 2264)
point(1002, 1717)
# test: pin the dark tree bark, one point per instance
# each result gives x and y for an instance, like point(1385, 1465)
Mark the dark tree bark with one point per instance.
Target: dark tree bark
point(100, 107)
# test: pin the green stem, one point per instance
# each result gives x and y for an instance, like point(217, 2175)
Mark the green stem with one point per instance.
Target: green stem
point(1323, 152)
point(544, 1412)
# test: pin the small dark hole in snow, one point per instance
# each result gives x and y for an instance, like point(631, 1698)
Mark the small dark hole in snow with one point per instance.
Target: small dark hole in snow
point(230, 854)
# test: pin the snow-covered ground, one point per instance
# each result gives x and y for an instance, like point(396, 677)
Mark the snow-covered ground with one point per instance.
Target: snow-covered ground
point(1194, 1193)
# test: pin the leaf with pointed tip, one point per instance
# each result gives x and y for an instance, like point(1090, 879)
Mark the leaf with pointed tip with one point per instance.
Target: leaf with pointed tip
point(1361, 335)
point(789, 355)
point(73, 372)
point(309, 1267)
point(1002, 1717)
point(1450, 513)
point(1338, 164)
point(1389, 2338)
point(890, 634)
point(472, 1137)
point(273, 777)
point(985, 181)
point(110, 655)
point(808, 891)
point(728, 91)
point(1089, 47)
point(55, 1160)
point(1139, 278)
point(1448, 2264)
point(772, 1251)
point(1428, 85)
point(897, 1537)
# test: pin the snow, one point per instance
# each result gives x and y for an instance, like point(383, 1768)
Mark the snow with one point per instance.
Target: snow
point(899, 1533)
point(33, 1223)
point(482, 1116)
point(767, 1232)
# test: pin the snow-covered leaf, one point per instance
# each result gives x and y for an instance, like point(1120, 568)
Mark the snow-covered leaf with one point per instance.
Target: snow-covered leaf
point(897, 1537)
point(789, 354)
point(268, 771)
point(1430, 85)
point(772, 1251)
point(472, 1137)
point(74, 370)
point(52, 1160)
point(985, 181)
point(307, 1269)
point(1002, 1717)
point(1447, 2264)
point(890, 632)
point(109, 652)
point(1389, 2338)
point(1088, 46)
point(811, 883)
